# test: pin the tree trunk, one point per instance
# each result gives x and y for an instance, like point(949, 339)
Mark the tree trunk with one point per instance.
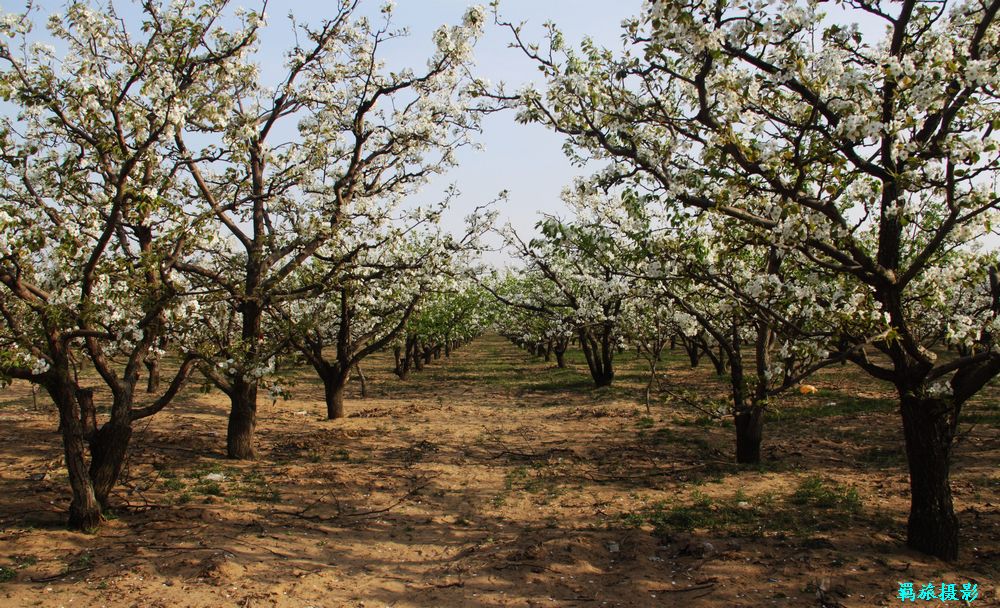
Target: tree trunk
point(88, 413)
point(402, 368)
point(334, 383)
point(107, 456)
point(932, 527)
point(84, 509)
point(718, 360)
point(153, 378)
point(749, 433)
point(363, 380)
point(747, 417)
point(602, 374)
point(560, 358)
point(242, 420)
point(607, 359)
point(693, 353)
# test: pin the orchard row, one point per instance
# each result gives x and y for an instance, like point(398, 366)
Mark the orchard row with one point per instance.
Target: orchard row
point(779, 194)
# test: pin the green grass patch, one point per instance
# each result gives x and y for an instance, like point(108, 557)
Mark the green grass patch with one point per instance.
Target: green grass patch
point(832, 404)
point(253, 485)
point(208, 488)
point(817, 504)
point(7, 574)
point(174, 484)
point(819, 493)
point(23, 561)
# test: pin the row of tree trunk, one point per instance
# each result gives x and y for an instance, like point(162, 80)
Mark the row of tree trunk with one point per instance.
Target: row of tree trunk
point(416, 352)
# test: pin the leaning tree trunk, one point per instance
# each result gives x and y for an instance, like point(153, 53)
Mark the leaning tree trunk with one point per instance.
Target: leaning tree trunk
point(932, 527)
point(109, 444)
point(561, 346)
point(242, 420)
point(718, 361)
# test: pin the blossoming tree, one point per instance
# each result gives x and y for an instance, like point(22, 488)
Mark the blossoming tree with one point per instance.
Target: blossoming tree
point(337, 135)
point(874, 159)
point(91, 214)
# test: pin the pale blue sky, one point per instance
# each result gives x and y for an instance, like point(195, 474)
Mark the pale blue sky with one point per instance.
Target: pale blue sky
point(525, 160)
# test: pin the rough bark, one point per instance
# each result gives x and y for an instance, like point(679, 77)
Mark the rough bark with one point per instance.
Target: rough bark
point(932, 527)
point(84, 509)
point(242, 420)
point(334, 383)
point(108, 450)
point(88, 412)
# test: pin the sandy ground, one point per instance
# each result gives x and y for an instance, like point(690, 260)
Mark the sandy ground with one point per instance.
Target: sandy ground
point(493, 479)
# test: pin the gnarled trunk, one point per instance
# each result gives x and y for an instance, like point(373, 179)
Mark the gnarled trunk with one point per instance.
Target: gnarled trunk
point(84, 508)
point(718, 360)
point(932, 527)
point(108, 449)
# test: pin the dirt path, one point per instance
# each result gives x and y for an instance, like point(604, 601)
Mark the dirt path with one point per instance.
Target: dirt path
point(491, 479)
